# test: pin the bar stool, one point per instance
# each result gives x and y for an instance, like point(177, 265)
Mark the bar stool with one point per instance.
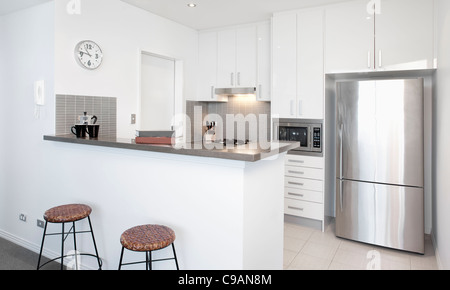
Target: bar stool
point(70, 213)
point(148, 238)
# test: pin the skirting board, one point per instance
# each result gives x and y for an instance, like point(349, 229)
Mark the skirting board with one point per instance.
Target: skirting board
point(36, 248)
point(436, 252)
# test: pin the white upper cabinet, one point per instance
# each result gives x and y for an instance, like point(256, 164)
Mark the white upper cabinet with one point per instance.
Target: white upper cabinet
point(263, 88)
point(349, 38)
point(298, 73)
point(246, 57)
point(207, 69)
point(284, 71)
point(380, 35)
point(237, 57)
point(405, 35)
point(310, 62)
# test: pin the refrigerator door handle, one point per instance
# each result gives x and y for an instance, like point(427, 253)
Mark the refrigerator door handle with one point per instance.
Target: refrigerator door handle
point(341, 150)
point(341, 198)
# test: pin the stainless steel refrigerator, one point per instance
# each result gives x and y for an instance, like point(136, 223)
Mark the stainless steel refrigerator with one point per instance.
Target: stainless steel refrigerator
point(380, 161)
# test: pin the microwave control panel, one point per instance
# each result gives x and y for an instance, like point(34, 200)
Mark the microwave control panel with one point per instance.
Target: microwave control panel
point(317, 138)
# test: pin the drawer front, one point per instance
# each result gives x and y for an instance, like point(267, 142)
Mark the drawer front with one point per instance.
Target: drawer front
point(305, 195)
point(303, 209)
point(303, 183)
point(303, 172)
point(305, 161)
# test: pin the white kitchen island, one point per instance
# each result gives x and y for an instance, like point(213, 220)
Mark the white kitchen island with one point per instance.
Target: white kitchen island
point(227, 214)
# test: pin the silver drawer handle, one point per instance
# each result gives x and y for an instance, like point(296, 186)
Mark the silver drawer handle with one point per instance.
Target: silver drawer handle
point(296, 172)
point(297, 208)
point(295, 194)
point(296, 161)
point(295, 183)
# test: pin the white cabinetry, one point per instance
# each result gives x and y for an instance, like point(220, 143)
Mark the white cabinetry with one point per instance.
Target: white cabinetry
point(264, 79)
point(405, 35)
point(284, 65)
point(298, 74)
point(304, 187)
point(237, 57)
point(397, 35)
point(310, 62)
point(207, 69)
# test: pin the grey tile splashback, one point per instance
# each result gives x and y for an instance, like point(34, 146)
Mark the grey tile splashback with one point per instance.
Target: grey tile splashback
point(68, 108)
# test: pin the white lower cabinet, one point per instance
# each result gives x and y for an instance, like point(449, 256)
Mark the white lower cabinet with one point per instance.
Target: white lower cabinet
point(304, 187)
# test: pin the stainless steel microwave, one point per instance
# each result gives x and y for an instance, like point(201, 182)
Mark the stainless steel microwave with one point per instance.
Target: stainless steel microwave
point(308, 132)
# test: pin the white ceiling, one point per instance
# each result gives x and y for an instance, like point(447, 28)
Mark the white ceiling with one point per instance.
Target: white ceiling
point(207, 14)
point(219, 13)
point(9, 6)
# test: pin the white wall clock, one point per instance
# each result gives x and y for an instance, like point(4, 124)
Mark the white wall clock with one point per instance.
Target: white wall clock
point(88, 54)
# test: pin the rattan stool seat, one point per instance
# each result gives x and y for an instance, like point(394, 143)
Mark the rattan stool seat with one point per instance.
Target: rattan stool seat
point(67, 213)
point(147, 238)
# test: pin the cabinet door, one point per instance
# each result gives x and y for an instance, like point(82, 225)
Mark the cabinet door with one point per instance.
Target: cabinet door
point(207, 66)
point(404, 35)
point(226, 58)
point(349, 38)
point(246, 57)
point(310, 72)
point(284, 65)
point(263, 88)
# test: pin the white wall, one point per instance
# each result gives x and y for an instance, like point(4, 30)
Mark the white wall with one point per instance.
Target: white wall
point(121, 30)
point(2, 119)
point(27, 41)
point(441, 140)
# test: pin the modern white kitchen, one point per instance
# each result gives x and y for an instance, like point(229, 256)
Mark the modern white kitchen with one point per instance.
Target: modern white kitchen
point(264, 165)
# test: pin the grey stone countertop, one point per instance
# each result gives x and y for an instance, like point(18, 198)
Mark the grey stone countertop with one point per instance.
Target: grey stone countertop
point(250, 153)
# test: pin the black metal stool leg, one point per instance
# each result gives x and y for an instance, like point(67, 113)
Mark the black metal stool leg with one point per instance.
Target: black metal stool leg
point(62, 247)
point(42, 246)
point(121, 257)
point(175, 255)
point(75, 246)
point(95, 245)
point(150, 260)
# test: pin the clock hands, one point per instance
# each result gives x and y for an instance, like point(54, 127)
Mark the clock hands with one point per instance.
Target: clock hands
point(89, 55)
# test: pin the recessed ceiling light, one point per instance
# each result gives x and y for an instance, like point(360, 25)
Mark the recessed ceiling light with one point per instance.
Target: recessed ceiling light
point(192, 5)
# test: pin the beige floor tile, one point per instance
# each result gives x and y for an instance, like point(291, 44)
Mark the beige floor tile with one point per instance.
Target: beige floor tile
point(288, 257)
point(298, 232)
point(355, 259)
point(306, 262)
point(311, 249)
point(293, 244)
point(320, 250)
point(339, 266)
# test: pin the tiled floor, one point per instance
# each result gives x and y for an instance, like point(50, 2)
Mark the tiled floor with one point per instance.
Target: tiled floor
point(311, 249)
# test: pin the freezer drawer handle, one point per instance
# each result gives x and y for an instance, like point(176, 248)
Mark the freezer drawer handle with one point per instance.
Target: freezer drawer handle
point(295, 194)
point(296, 161)
point(295, 183)
point(296, 172)
point(296, 208)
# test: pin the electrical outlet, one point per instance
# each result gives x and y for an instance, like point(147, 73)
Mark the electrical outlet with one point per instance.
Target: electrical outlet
point(23, 217)
point(40, 223)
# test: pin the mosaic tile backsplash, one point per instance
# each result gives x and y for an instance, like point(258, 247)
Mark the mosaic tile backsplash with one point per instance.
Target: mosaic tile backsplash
point(68, 108)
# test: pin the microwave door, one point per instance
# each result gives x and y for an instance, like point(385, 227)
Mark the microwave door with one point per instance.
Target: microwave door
point(283, 134)
point(299, 134)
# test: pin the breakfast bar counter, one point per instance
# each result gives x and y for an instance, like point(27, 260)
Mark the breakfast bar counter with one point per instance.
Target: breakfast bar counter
point(226, 206)
point(250, 152)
